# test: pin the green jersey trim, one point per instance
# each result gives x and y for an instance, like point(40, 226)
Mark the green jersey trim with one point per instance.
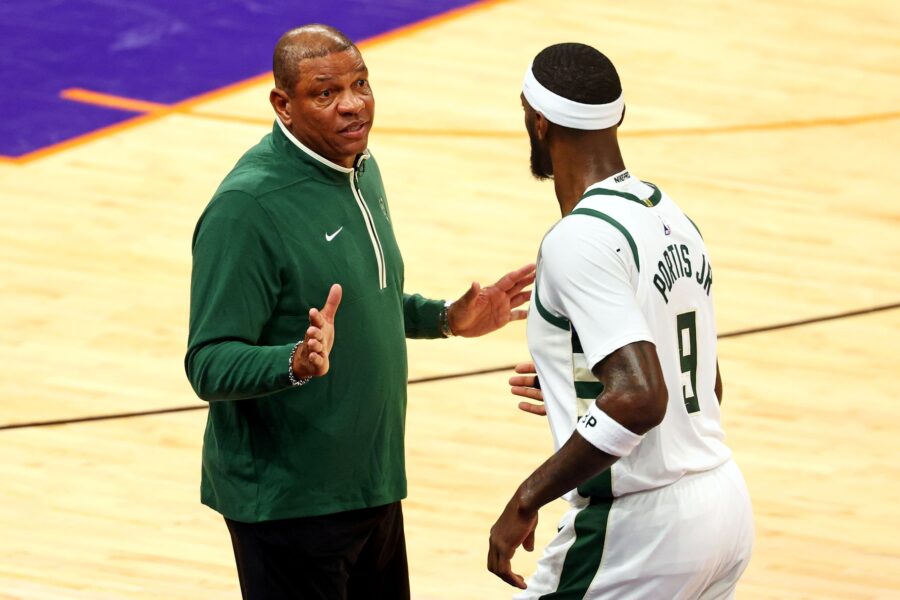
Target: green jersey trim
point(576, 343)
point(560, 322)
point(653, 200)
point(588, 390)
point(695, 226)
point(604, 217)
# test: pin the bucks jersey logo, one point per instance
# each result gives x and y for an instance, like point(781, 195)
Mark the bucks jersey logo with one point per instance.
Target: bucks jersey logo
point(383, 207)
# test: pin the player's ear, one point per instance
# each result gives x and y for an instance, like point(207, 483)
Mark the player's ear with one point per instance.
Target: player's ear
point(619, 124)
point(540, 126)
point(281, 103)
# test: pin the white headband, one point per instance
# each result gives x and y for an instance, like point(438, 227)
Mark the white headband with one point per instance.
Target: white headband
point(568, 113)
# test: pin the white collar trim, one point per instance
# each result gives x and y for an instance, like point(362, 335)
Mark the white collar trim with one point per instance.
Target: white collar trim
point(318, 157)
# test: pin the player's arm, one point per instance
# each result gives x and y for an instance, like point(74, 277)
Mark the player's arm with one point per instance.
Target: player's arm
point(633, 402)
point(718, 382)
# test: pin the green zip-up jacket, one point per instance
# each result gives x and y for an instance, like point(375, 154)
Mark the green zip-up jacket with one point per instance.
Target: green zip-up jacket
point(282, 227)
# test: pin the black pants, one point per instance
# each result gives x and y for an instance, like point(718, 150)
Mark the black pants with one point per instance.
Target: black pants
point(353, 555)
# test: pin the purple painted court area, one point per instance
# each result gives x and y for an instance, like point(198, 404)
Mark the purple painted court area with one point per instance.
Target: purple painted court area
point(160, 51)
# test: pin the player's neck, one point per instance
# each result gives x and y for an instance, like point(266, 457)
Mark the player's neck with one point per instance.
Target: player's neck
point(582, 163)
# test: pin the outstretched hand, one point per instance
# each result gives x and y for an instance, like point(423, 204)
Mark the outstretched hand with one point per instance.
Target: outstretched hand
point(483, 310)
point(311, 359)
point(526, 385)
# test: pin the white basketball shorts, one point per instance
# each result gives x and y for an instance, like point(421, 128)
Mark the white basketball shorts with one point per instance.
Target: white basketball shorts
point(691, 539)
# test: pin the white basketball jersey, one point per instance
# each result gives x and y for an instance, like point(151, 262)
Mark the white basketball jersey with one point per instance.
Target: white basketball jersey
point(627, 265)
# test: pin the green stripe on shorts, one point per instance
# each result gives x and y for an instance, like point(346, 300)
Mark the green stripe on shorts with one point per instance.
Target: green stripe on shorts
point(583, 558)
point(597, 488)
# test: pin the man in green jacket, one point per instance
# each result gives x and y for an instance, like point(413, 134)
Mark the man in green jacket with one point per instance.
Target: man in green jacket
point(303, 453)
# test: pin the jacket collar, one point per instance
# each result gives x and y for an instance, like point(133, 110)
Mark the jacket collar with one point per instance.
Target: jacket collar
point(284, 141)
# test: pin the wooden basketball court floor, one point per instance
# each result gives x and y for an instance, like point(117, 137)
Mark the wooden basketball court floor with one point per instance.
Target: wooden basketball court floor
point(775, 125)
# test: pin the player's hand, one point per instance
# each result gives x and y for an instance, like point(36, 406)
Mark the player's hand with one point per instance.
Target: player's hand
point(526, 384)
point(311, 359)
point(514, 528)
point(483, 310)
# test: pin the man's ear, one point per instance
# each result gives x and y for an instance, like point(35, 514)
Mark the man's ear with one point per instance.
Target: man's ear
point(619, 124)
point(540, 126)
point(281, 102)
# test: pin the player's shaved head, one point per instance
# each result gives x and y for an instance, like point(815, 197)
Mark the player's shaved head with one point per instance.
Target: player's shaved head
point(309, 41)
point(577, 72)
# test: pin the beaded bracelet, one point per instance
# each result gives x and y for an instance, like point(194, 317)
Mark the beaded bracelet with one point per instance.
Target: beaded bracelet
point(291, 377)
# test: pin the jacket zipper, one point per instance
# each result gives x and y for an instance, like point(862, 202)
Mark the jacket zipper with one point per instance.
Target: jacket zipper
point(370, 224)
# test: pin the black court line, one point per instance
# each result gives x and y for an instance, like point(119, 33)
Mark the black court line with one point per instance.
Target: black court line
point(835, 317)
point(730, 334)
point(143, 413)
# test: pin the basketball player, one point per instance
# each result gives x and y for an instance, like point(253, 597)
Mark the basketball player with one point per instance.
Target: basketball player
point(622, 332)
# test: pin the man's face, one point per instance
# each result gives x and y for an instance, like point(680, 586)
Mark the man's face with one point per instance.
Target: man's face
point(332, 106)
point(541, 163)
